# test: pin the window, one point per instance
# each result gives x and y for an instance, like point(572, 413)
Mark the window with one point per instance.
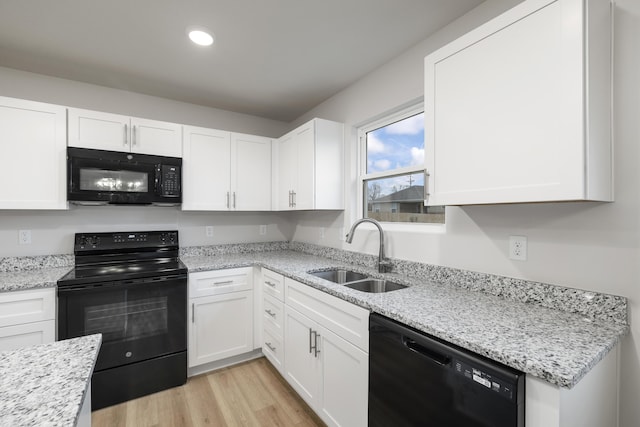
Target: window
point(392, 169)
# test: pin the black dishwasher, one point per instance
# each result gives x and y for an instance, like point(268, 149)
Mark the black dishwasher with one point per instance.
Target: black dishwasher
point(419, 380)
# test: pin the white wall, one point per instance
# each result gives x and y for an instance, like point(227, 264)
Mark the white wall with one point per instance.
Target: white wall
point(52, 231)
point(592, 246)
point(37, 87)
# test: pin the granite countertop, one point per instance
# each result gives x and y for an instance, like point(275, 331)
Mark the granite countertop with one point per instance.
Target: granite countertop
point(554, 333)
point(557, 346)
point(46, 384)
point(31, 279)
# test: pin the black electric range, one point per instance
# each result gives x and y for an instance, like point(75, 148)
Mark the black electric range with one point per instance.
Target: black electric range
point(132, 288)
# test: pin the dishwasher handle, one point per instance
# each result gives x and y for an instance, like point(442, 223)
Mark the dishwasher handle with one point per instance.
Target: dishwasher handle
point(440, 359)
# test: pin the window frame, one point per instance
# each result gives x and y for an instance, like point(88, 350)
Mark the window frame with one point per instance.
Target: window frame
point(362, 175)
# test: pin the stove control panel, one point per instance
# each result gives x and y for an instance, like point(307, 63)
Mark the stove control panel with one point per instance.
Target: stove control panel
point(122, 240)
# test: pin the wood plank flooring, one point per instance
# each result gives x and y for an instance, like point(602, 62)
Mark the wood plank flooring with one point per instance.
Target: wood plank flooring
point(249, 394)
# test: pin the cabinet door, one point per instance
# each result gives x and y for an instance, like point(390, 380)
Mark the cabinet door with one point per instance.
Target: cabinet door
point(304, 139)
point(287, 171)
point(302, 367)
point(505, 107)
point(97, 130)
point(221, 326)
point(27, 334)
point(345, 382)
point(156, 138)
point(34, 153)
point(250, 172)
point(206, 170)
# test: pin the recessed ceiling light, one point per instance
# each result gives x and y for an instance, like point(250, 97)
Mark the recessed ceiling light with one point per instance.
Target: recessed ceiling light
point(201, 37)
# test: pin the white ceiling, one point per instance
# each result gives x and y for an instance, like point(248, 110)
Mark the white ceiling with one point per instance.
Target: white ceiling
point(272, 58)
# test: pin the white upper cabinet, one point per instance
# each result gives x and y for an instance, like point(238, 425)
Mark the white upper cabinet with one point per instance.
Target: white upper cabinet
point(310, 167)
point(206, 169)
point(113, 132)
point(33, 143)
point(519, 109)
point(250, 172)
point(225, 171)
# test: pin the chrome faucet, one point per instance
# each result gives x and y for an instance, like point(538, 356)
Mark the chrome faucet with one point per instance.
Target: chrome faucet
point(384, 265)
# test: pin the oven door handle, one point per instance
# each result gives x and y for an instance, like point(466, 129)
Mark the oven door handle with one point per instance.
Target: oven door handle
point(119, 284)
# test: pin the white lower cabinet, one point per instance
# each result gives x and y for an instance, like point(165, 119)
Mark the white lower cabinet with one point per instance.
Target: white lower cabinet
point(322, 361)
point(220, 315)
point(328, 372)
point(27, 318)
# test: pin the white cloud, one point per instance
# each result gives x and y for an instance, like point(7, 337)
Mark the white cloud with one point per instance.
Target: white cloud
point(374, 145)
point(411, 126)
point(382, 164)
point(417, 156)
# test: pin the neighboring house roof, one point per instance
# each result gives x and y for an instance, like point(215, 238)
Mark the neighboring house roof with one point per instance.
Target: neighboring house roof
point(415, 193)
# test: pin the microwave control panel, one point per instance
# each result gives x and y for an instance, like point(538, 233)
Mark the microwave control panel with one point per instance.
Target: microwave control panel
point(169, 181)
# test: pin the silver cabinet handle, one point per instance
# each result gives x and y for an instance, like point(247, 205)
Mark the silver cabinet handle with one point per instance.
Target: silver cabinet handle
point(234, 200)
point(228, 200)
point(290, 198)
point(293, 204)
point(126, 135)
point(272, 348)
point(133, 136)
point(315, 346)
point(270, 313)
point(193, 313)
point(266, 282)
point(226, 282)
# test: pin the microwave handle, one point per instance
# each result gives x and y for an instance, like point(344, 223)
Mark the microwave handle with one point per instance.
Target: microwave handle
point(158, 180)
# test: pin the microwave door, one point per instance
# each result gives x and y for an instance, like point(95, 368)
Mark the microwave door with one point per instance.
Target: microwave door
point(113, 183)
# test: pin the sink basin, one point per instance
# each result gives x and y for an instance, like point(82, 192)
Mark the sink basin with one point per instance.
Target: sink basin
point(375, 286)
point(339, 276)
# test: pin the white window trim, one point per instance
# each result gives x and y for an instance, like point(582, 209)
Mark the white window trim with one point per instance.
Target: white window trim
point(362, 176)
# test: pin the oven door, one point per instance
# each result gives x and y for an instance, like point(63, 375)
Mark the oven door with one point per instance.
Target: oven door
point(138, 319)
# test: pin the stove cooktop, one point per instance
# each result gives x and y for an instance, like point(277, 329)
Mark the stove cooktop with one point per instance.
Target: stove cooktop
point(108, 257)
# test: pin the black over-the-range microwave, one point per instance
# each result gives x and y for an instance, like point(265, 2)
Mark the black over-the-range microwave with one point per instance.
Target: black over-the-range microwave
point(97, 177)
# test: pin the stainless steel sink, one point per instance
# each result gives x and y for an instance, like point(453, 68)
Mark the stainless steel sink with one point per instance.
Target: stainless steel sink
point(375, 286)
point(358, 281)
point(339, 276)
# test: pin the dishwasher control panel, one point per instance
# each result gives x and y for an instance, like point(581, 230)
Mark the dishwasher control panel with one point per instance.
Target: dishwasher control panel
point(491, 382)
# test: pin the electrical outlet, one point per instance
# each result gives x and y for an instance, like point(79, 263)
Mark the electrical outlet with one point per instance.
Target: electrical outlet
point(518, 248)
point(208, 230)
point(322, 232)
point(263, 230)
point(24, 237)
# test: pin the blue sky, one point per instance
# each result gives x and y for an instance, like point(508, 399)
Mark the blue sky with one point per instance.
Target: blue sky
point(398, 145)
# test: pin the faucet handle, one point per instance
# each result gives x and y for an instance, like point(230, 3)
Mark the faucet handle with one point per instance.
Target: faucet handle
point(385, 266)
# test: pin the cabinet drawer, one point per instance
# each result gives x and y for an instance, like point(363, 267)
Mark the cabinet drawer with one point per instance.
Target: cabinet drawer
point(28, 334)
point(273, 348)
point(272, 314)
point(27, 306)
point(341, 317)
point(273, 284)
point(217, 282)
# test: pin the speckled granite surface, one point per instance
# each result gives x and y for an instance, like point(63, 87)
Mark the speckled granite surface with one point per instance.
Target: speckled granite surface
point(31, 279)
point(45, 385)
point(557, 346)
point(552, 332)
point(8, 264)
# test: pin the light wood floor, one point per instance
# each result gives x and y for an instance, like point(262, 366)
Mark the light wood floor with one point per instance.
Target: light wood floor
point(250, 394)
